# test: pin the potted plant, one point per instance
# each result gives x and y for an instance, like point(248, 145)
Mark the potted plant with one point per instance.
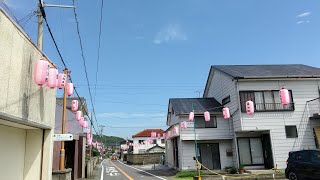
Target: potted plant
point(241, 168)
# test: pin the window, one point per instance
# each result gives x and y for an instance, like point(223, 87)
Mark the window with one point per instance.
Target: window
point(302, 156)
point(291, 131)
point(201, 123)
point(265, 101)
point(315, 156)
point(141, 141)
point(163, 141)
point(226, 100)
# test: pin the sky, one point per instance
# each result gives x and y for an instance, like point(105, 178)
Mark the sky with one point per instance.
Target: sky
point(155, 50)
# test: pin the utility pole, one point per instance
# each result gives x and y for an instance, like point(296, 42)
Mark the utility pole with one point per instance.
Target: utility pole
point(63, 126)
point(199, 93)
point(42, 5)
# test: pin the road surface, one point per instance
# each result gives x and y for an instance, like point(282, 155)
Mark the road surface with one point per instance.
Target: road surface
point(116, 170)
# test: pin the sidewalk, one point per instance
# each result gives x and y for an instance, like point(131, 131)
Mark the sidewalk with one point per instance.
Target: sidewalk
point(160, 170)
point(96, 174)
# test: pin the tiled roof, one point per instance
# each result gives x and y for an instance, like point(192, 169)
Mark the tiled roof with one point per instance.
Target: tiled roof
point(184, 105)
point(69, 101)
point(269, 71)
point(147, 133)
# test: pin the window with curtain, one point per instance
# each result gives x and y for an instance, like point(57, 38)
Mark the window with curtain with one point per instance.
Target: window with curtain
point(265, 100)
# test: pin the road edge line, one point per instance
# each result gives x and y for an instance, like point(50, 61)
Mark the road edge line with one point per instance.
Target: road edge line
point(124, 173)
point(101, 177)
point(142, 171)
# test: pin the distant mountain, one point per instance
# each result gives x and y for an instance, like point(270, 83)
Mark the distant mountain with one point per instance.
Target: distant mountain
point(108, 140)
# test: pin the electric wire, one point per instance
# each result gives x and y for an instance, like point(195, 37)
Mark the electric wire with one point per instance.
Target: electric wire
point(60, 55)
point(99, 44)
point(84, 60)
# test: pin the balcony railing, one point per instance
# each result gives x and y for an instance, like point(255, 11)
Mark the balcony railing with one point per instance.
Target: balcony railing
point(269, 107)
point(314, 108)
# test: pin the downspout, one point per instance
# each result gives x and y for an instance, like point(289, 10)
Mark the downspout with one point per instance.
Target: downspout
point(234, 133)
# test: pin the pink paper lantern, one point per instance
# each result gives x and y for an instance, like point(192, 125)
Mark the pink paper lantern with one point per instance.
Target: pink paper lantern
point(153, 134)
point(78, 115)
point(176, 130)
point(226, 113)
point(284, 96)
point(249, 107)
point(81, 121)
point(206, 116)
point(164, 135)
point(159, 136)
point(184, 125)
point(74, 105)
point(191, 116)
point(70, 89)
point(52, 78)
point(85, 124)
point(62, 80)
point(41, 72)
point(169, 134)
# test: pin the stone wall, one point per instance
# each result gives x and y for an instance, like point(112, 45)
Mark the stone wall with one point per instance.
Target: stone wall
point(154, 158)
point(90, 165)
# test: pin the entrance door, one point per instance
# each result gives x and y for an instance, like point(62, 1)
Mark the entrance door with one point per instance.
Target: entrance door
point(267, 155)
point(210, 155)
point(175, 152)
point(250, 151)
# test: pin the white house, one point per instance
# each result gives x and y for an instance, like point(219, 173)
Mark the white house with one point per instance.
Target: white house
point(141, 144)
point(264, 139)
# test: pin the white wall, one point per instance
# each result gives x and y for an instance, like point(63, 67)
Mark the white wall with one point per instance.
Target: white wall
point(146, 146)
point(21, 98)
point(12, 152)
point(302, 90)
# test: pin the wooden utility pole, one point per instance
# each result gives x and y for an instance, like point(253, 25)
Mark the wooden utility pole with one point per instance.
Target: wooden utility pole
point(63, 125)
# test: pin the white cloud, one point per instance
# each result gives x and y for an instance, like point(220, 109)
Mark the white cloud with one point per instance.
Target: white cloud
point(300, 22)
point(171, 32)
point(304, 14)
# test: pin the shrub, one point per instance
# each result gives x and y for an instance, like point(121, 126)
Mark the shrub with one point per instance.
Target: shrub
point(186, 174)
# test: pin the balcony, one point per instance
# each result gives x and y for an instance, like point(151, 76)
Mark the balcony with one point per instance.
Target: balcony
point(313, 107)
point(269, 107)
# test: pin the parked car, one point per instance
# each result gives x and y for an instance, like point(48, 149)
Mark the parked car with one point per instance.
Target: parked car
point(304, 164)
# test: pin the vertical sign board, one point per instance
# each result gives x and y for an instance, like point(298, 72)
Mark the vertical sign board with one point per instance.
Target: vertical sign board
point(62, 137)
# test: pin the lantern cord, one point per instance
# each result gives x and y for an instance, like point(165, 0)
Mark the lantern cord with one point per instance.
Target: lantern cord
point(43, 13)
point(99, 44)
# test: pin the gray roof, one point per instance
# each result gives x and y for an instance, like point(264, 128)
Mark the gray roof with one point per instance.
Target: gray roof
point(184, 105)
point(269, 71)
point(59, 101)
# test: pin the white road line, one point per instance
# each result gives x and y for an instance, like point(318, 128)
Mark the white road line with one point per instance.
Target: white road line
point(142, 171)
point(101, 177)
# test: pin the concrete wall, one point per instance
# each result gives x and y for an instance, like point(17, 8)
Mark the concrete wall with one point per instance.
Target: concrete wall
point(302, 91)
point(24, 102)
point(152, 158)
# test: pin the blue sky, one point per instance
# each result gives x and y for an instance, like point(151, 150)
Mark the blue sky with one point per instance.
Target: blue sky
point(154, 50)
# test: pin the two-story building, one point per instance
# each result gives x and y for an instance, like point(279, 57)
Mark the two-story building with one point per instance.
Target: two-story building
point(141, 144)
point(263, 139)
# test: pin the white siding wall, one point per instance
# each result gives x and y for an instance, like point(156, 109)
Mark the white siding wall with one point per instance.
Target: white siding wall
point(221, 132)
point(145, 146)
point(221, 86)
point(302, 90)
point(188, 152)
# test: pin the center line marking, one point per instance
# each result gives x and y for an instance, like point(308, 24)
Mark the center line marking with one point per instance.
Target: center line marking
point(142, 171)
point(124, 173)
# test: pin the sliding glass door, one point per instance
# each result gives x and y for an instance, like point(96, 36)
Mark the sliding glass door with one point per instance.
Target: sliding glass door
point(250, 151)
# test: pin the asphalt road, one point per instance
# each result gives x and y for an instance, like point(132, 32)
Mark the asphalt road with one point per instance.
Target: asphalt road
point(116, 170)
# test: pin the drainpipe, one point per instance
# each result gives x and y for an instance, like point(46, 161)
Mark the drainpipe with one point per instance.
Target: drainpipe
point(234, 133)
point(42, 149)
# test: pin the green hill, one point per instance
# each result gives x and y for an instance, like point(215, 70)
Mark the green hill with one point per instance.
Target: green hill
point(108, 140)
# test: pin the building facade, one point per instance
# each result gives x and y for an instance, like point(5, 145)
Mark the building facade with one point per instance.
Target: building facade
point(140, 141)
point(27, 111)
point(263, 139)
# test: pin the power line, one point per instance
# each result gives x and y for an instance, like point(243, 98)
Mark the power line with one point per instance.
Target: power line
point(61, 58)
point(84, 60)
point(99, 44)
